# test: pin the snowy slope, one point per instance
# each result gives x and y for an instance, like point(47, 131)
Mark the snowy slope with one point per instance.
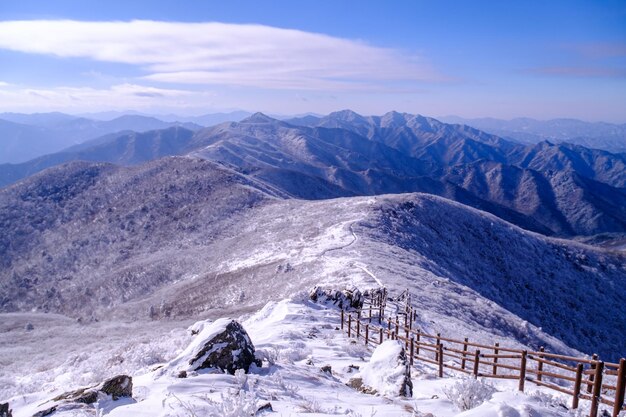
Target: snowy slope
point(472, 275)
point(299, 338)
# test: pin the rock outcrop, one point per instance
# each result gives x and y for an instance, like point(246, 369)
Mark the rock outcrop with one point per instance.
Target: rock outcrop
point(348, 299)
point(223, 344)
point(116, 387)
point(5, 411)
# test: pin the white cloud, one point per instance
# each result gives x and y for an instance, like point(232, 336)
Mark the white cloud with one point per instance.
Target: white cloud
point(120, 97)
point(218, 53)
point(3, 84)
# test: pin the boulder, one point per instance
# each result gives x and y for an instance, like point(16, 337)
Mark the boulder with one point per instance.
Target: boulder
point(223, 344)
point(117, 387)
point(387, 372)
point(263, 409)
point(45, 412)
point(5, 411)
point(348, 299)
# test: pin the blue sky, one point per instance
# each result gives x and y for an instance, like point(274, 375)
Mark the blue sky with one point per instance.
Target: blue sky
point(541, 59)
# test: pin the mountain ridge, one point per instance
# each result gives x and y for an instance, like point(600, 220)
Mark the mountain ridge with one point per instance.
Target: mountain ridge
point(194, 235)
point(346, 154)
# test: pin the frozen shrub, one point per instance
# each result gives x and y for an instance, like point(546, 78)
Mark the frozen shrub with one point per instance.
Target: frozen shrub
point(297, 352)
point(243, 404)
point(469, 393)
point(269, 355)
point(240, 404)
point(241, 378)
point(314, 407)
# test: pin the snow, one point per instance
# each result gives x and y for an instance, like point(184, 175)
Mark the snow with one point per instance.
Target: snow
point(463, 275)
point(385, 372)
point(300, 337)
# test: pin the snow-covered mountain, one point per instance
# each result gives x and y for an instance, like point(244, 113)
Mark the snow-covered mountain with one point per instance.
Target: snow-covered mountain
point(552, 189)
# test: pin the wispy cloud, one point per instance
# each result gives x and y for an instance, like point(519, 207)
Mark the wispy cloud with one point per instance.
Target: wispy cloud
point(581, 72)
point(121, 96)
point(4, 84)
point(225, 54)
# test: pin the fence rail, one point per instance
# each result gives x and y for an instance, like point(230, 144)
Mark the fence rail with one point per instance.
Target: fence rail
point(581, 378)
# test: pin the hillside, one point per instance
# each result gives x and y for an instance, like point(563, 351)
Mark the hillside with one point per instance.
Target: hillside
point(190, 227)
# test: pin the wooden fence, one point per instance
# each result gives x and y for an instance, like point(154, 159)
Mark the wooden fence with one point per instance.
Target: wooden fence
point(581, 378)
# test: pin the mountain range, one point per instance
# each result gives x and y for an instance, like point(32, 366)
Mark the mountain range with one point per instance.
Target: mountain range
point(26, 136)
point(599, 135)
point(554, 189)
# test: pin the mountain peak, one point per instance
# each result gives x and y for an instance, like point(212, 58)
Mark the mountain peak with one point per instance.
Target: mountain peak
point(258, 117)
point(347, 115)
point(394, 119)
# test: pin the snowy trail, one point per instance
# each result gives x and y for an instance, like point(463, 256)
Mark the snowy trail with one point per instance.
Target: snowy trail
point(363, 267)
point(354, 239)
point(357, 264)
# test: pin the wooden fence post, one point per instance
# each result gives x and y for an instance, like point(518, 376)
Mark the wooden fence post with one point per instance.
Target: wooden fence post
point(417, 339)
point(464, 352)
point(397, 325)
point(620, 387)
point(349, 325)
point(597, 389)
point(342, 319)
point(370, 318)
point(495, 360)
point(367, 333)
point(594, 357)
point(437, 343)
point(522, 371)
point(540, 364)
point(476, 363)
point(358, 327)
point(579, 377)
point(380, 336)
point(440, 351)
point(412, 350)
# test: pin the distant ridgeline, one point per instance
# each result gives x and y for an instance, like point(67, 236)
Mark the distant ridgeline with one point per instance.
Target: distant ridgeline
point(554, 189)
